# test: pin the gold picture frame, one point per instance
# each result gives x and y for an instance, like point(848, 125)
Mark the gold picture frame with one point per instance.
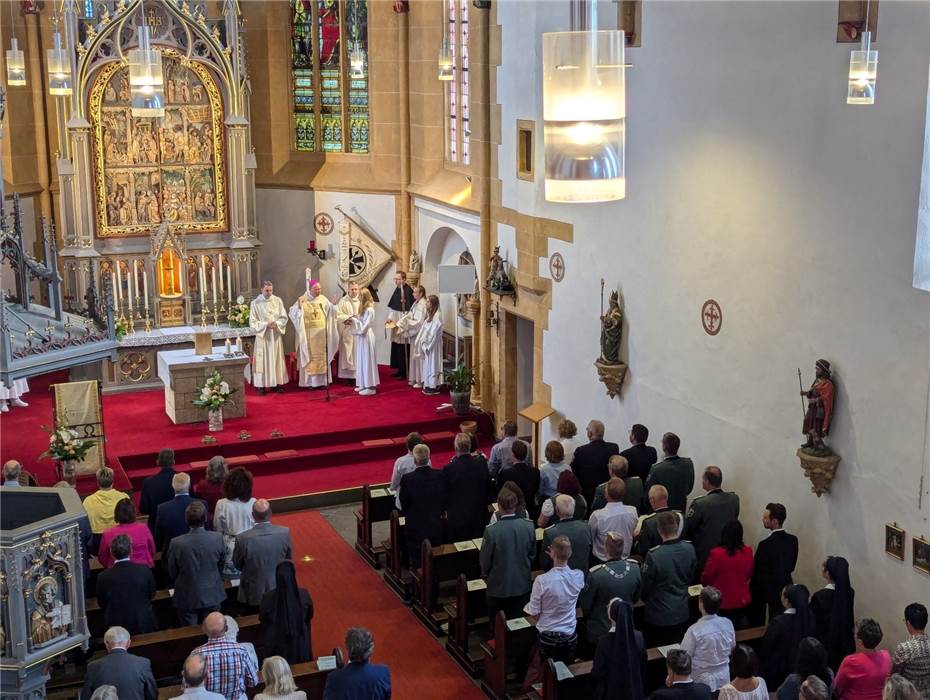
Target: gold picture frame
point(920, 555)
point(894, 541)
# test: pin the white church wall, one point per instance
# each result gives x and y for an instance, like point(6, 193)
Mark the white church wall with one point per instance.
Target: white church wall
point(750, 181)
point(378, 211)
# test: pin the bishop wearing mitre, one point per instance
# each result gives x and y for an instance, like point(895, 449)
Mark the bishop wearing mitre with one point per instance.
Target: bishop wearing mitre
point(268, 318)
point(347, 307)
point(314, 319)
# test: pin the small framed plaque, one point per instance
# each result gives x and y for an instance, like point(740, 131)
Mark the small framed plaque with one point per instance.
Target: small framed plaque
point(894, 541)
point(921, 554)
point(203, 343)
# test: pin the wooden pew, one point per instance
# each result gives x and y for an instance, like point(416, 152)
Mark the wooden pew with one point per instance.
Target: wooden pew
point(165, 615)
point(580, 686)
point(168, 649)
point(395, 574)
point(470, 606)
point(513, 639)
point(377, 505)
point(438, 565)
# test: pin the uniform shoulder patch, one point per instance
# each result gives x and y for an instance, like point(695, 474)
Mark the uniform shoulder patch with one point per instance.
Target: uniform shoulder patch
point(595, 568)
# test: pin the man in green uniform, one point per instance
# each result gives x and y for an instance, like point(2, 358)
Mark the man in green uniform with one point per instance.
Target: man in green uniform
point(708, 514)
point(674, 473)
point(667, 573)
point(506, 559)
point(619, 467)
point(617, 578)
point(647, 530)
point(577, 532)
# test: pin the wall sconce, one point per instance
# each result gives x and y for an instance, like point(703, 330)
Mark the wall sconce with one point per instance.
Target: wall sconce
point(313, 250)
point(15, 65)
point(863, 73)
point(446, 71)
point(584, 111)
point(146, 79)
point(59, 68)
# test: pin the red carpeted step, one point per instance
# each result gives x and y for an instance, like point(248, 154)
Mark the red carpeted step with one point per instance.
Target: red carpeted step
point(435, 437)
point(378, 443)
point(275, 454)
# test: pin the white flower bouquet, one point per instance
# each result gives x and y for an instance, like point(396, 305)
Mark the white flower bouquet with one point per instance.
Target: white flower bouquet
point(239, 313)
point(66, 444)
point(215, 393)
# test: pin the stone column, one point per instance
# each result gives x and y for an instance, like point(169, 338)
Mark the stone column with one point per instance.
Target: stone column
point(237, 195)
point(404, 236)
point(477, 338)
point(483, 174)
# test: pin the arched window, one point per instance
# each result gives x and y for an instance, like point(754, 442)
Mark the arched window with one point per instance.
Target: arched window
point(922, 253)
point(458, 146)
point(330, 98)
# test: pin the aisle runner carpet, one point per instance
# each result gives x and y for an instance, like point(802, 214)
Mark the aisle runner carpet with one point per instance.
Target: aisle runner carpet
point(348, 593)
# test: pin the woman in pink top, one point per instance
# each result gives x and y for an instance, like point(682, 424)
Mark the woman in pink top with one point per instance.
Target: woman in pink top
point(862, 675)
point(143, 546)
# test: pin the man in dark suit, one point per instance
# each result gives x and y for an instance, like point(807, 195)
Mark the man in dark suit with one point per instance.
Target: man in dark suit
point(523, 475)
point(577, 532)
point(169, 518)
point(678, 683)
point(675, 473)
point(258, 552)
point(640, 456)
point(708, 514)
point(125, 590)
point(422, 500)
point(776, 557)
point(467, 486)
point(590, 461)
point(195, 564)
point(131, 675)
point(359, 679)
point(156, 489)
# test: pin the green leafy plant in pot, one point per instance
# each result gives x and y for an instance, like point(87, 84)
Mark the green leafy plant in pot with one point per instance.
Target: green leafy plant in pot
point(460, 380)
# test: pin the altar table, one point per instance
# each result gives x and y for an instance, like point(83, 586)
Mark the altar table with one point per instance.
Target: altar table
point(184, 375)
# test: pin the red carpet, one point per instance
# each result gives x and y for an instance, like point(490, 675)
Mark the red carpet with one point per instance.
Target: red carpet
point(348, 593)
point(326, 437)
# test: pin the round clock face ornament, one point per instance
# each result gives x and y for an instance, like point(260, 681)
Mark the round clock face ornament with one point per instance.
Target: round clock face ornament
point(711, 317)
point(323, 224)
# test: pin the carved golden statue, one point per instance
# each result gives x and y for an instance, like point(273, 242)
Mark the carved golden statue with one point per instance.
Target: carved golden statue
point(47, 622)
point(168, 274)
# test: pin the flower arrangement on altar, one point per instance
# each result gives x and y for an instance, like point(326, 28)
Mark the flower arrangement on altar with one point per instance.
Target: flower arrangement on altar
point(65, 444)
point(239, 313)
point(215, 393)
point(121, 327)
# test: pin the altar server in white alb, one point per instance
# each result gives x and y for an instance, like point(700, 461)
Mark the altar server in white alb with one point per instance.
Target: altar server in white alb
point(346, 309)
point(409, 325)
point(268, 318)
point(314, 319)
point(426, 360)
point(366, 360)
point(11, 394)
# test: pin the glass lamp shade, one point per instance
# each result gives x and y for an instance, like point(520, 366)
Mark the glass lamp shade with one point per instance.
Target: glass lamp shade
point(59, 68)
point(863, 73)
point(356, 62)
point(146, 78)
point(15, 65)
point(584, 113)
point(446, 71)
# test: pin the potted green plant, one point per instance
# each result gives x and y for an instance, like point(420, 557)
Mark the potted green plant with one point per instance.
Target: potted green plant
point(460, 380)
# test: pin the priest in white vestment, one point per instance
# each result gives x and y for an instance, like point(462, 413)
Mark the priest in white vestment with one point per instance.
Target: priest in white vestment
point(407, 326)
point(11, 394)
point(427, 349)
point(268, 318)
point(314, 319)
point(346, 309)
point(366, 359)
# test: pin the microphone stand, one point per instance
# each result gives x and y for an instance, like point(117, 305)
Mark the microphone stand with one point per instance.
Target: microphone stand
point(329, 368)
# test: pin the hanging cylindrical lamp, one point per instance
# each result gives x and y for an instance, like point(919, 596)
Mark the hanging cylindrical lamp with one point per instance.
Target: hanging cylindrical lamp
point(446, 71)
point(15, 65)
point(59, 68)
point(863, 72)
point(584, 111)
point(146, 79)
point(357, 61)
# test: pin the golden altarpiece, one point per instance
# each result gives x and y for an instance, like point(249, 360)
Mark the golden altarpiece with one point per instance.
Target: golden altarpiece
point(161, 207)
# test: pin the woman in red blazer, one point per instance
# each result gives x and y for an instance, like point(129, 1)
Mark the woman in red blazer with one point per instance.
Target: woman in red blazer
point(728, 569)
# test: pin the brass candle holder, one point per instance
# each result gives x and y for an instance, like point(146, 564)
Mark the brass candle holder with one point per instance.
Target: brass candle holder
point(148, 322)
point(216, 315)
point(204, 311)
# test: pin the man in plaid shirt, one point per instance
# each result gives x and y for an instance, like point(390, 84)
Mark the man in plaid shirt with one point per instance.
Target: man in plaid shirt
point(230, 668)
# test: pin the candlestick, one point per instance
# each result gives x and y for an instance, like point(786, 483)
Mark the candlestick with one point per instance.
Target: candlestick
point(148, 322)
point(228, 348)
point(119, 283)
point(135, 279)
point(220, 265)
point(113, 285)
point(213, 281)
point(203, 316)
point(145, 290)
point(229, 281)
point(203, 278)
point(216, 314)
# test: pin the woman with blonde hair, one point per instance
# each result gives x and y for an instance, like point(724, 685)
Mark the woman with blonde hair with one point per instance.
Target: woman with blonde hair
point(366, 360)
point(279, 681)
point(426, 362)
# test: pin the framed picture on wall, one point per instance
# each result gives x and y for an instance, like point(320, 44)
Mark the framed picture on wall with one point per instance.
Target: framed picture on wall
point(894, 541)
point(921, 555)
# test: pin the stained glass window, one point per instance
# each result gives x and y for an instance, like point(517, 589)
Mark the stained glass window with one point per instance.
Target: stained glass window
point(459, 129)
point(331, 106)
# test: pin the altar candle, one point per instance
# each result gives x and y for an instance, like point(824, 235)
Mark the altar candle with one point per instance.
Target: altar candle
point(213, 281)
point(119, 283)
point(229, 281)
point(220, 258)
point(203, 277)
point(113, 284)
point(129, 291)
point(145, 290)
point(135, 278)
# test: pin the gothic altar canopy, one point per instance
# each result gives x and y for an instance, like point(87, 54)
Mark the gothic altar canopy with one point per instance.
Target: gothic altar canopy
point(179, 171)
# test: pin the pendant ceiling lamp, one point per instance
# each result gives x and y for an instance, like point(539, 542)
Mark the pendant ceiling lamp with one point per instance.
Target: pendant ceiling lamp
point(146, 79)
point(357, 61)
point(446, 71)
point(584, 111)
point(59, 68)
point(15, 65)
point(863, 68)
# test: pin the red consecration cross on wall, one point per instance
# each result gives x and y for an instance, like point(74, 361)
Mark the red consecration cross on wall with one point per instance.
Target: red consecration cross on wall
point(711, 317)
point(322, 223)
point(557, 267)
